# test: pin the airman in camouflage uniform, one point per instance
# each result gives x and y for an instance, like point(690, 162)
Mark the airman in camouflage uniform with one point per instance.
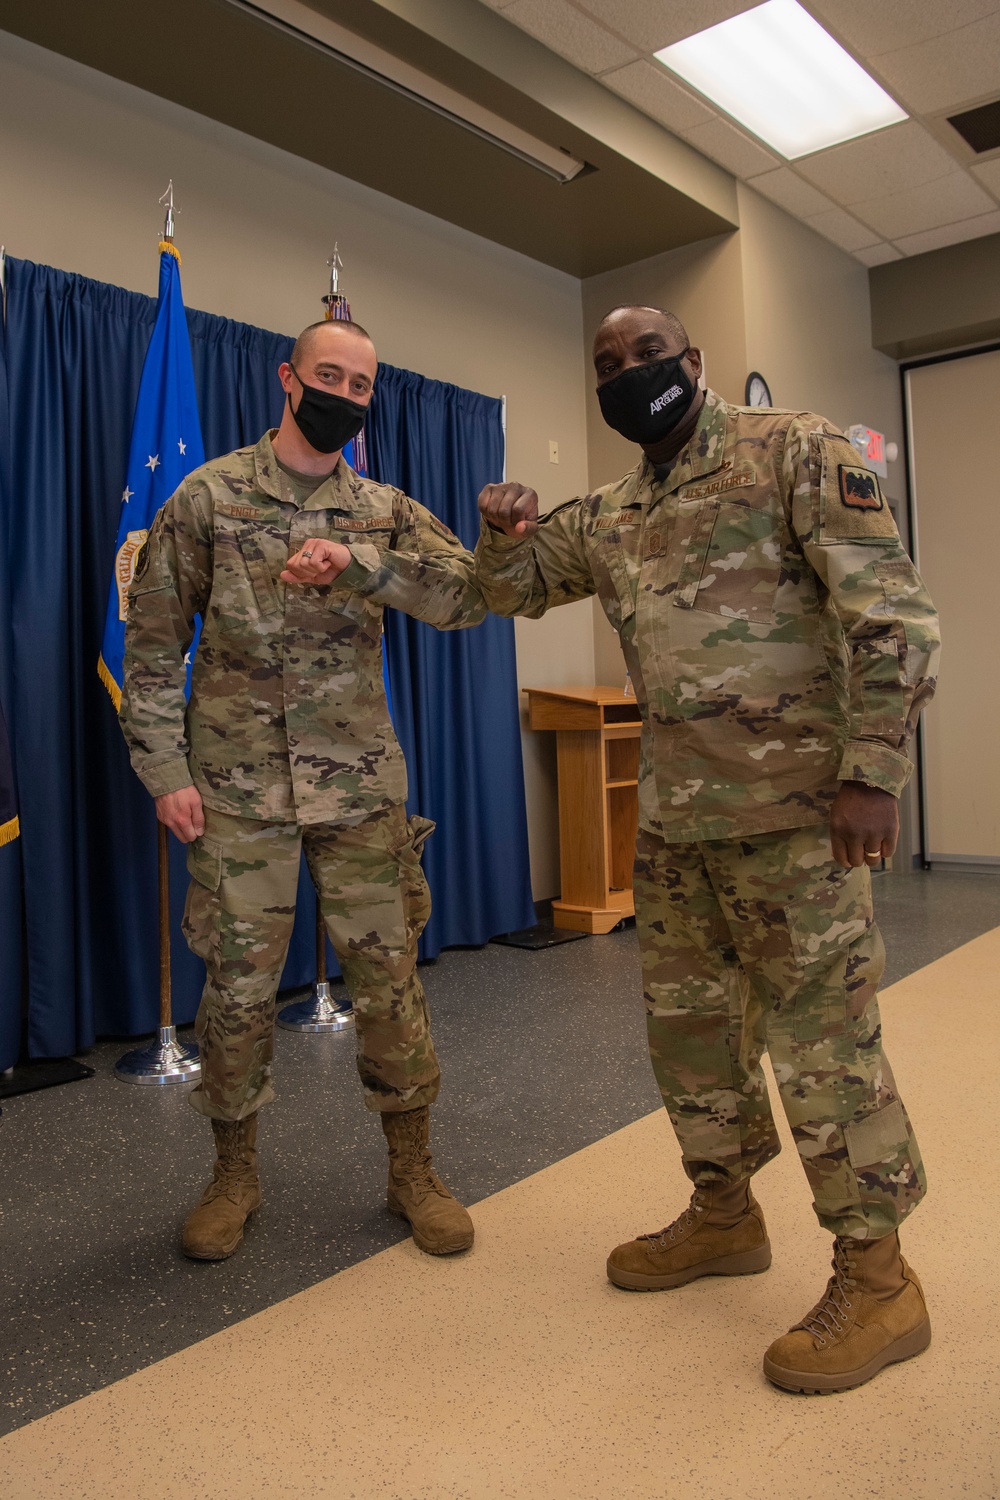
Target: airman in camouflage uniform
point(289, 557)
point(781, 645)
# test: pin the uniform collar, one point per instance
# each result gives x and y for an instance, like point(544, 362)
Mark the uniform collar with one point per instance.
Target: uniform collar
point(702, 454)
point(340, 491)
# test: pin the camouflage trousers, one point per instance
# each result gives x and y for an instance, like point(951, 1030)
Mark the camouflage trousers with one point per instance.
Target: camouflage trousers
point(764, 944)
point(239, 916)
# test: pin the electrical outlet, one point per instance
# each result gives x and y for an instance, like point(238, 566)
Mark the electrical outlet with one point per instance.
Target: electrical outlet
point(553, 452)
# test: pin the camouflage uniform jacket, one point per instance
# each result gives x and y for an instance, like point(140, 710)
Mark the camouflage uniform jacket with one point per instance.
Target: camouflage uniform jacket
point(776, 632)
point(287, 719)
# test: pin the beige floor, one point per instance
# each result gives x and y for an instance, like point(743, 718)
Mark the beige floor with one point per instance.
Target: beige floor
point(517, 1372)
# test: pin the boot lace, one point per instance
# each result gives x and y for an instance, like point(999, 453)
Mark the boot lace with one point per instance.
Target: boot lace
point(416, 1165)
point(229, 1181)
point(828, 1320)
point(664, 1238)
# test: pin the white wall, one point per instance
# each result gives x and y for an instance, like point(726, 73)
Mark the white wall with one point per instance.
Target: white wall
point(83, 160)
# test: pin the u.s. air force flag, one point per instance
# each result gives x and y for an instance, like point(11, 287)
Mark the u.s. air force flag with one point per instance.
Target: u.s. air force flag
point(166, 445)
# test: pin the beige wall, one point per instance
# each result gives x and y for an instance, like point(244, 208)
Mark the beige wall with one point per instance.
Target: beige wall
point(808, 326)
point(83, 160)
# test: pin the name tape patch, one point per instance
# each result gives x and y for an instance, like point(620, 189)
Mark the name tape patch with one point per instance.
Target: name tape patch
point(363, 523)
point(239, 512)
point(738, 480)
point(621, 518)
point(859, 488)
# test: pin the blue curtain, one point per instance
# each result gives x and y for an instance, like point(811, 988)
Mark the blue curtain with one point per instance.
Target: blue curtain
point(11, 905)
point(454, 693)
point(86, 861)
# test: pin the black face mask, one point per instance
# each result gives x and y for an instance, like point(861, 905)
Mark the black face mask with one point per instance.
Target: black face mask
point(327, 422)
point(646, 402)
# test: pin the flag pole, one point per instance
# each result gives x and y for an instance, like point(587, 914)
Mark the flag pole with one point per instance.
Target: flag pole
point(165, 1060)
point(321, 1012)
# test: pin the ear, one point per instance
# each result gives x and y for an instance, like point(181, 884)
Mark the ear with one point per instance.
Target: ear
point(695, 363)
point(287, 376)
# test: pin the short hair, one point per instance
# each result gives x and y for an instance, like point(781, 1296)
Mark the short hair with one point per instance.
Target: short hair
point(307, 337)
point(673, 322)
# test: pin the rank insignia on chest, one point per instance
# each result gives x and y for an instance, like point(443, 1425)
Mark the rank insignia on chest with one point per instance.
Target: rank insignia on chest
point(859, 489)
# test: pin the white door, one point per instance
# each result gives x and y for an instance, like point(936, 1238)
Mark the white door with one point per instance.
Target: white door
point(954, 410)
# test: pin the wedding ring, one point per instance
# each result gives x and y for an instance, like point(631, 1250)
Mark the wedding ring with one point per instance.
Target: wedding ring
point(307, 554)
point(873, 854)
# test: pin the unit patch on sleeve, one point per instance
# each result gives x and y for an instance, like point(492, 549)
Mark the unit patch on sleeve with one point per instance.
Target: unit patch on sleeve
point(851, 505)
point(859, 488)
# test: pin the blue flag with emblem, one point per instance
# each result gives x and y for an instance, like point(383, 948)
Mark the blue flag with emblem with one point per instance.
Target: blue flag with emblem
point(166, 445)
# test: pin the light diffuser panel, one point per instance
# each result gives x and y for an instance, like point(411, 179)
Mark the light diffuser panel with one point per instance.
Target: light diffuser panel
point(776, 71)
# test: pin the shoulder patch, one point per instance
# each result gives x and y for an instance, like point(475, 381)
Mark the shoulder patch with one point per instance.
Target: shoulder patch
point(852, 507)
point(859, 488)
point(443, 530)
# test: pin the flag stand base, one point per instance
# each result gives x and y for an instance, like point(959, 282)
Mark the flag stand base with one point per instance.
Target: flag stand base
point(164, 1061)
point(319, 1013)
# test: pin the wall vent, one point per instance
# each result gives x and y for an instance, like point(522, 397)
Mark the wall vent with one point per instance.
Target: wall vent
point(979, 127)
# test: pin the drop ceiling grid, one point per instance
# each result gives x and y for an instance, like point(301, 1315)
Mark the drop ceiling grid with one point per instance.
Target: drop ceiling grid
point(897, 192)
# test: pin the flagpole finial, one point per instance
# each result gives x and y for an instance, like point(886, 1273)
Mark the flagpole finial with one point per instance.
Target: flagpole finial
point(168, 203)
point(334, 297)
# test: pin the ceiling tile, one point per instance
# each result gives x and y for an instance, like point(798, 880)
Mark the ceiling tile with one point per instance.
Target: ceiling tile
point(873, 28)
point(788, 190)
point(945, 201)
point(568, 31)
point(951, 234)
point(948, 71)
point(652, 24)
point(836, 225)
point(989, 176)
point(731, 148)
point(651, 87)
point(877, 255)
point(886, 161)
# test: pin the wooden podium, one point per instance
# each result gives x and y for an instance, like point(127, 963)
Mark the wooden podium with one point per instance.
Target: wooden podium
point(597, 746)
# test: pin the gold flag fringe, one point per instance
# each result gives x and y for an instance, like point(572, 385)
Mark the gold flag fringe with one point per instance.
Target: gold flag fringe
point(110, 683)
point(165, 245)
point(9, 831)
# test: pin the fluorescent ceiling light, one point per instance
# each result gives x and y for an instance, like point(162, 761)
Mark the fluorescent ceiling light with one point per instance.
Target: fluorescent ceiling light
point(309, 26)
point(776, 71)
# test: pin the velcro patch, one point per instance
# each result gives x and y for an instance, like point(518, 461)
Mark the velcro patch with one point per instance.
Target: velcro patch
point(738, 480)
point(363, 523)
point(859, 488)
point(240, 512)
point(621, 518)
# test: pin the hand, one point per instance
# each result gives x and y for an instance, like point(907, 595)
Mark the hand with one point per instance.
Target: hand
point(183, 813)
point(510, 508)
point(317, 561)
point(864, 824)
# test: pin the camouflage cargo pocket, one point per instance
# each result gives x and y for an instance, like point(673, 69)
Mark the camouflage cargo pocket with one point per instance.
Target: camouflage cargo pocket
point(825, 930)
point(413, 882)
point(742, 563)
point(201, 909)
point(616, 580)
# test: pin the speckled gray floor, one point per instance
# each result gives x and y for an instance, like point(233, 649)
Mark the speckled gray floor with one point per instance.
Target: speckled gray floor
point(543, 1053)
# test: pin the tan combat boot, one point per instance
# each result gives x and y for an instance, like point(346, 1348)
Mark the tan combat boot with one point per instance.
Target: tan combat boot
point(214, 1229)
point(872, 1315)
point(439, 1222)
point(720, 1233)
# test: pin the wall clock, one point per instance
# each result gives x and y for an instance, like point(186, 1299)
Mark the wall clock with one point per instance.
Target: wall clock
point(757, 391)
